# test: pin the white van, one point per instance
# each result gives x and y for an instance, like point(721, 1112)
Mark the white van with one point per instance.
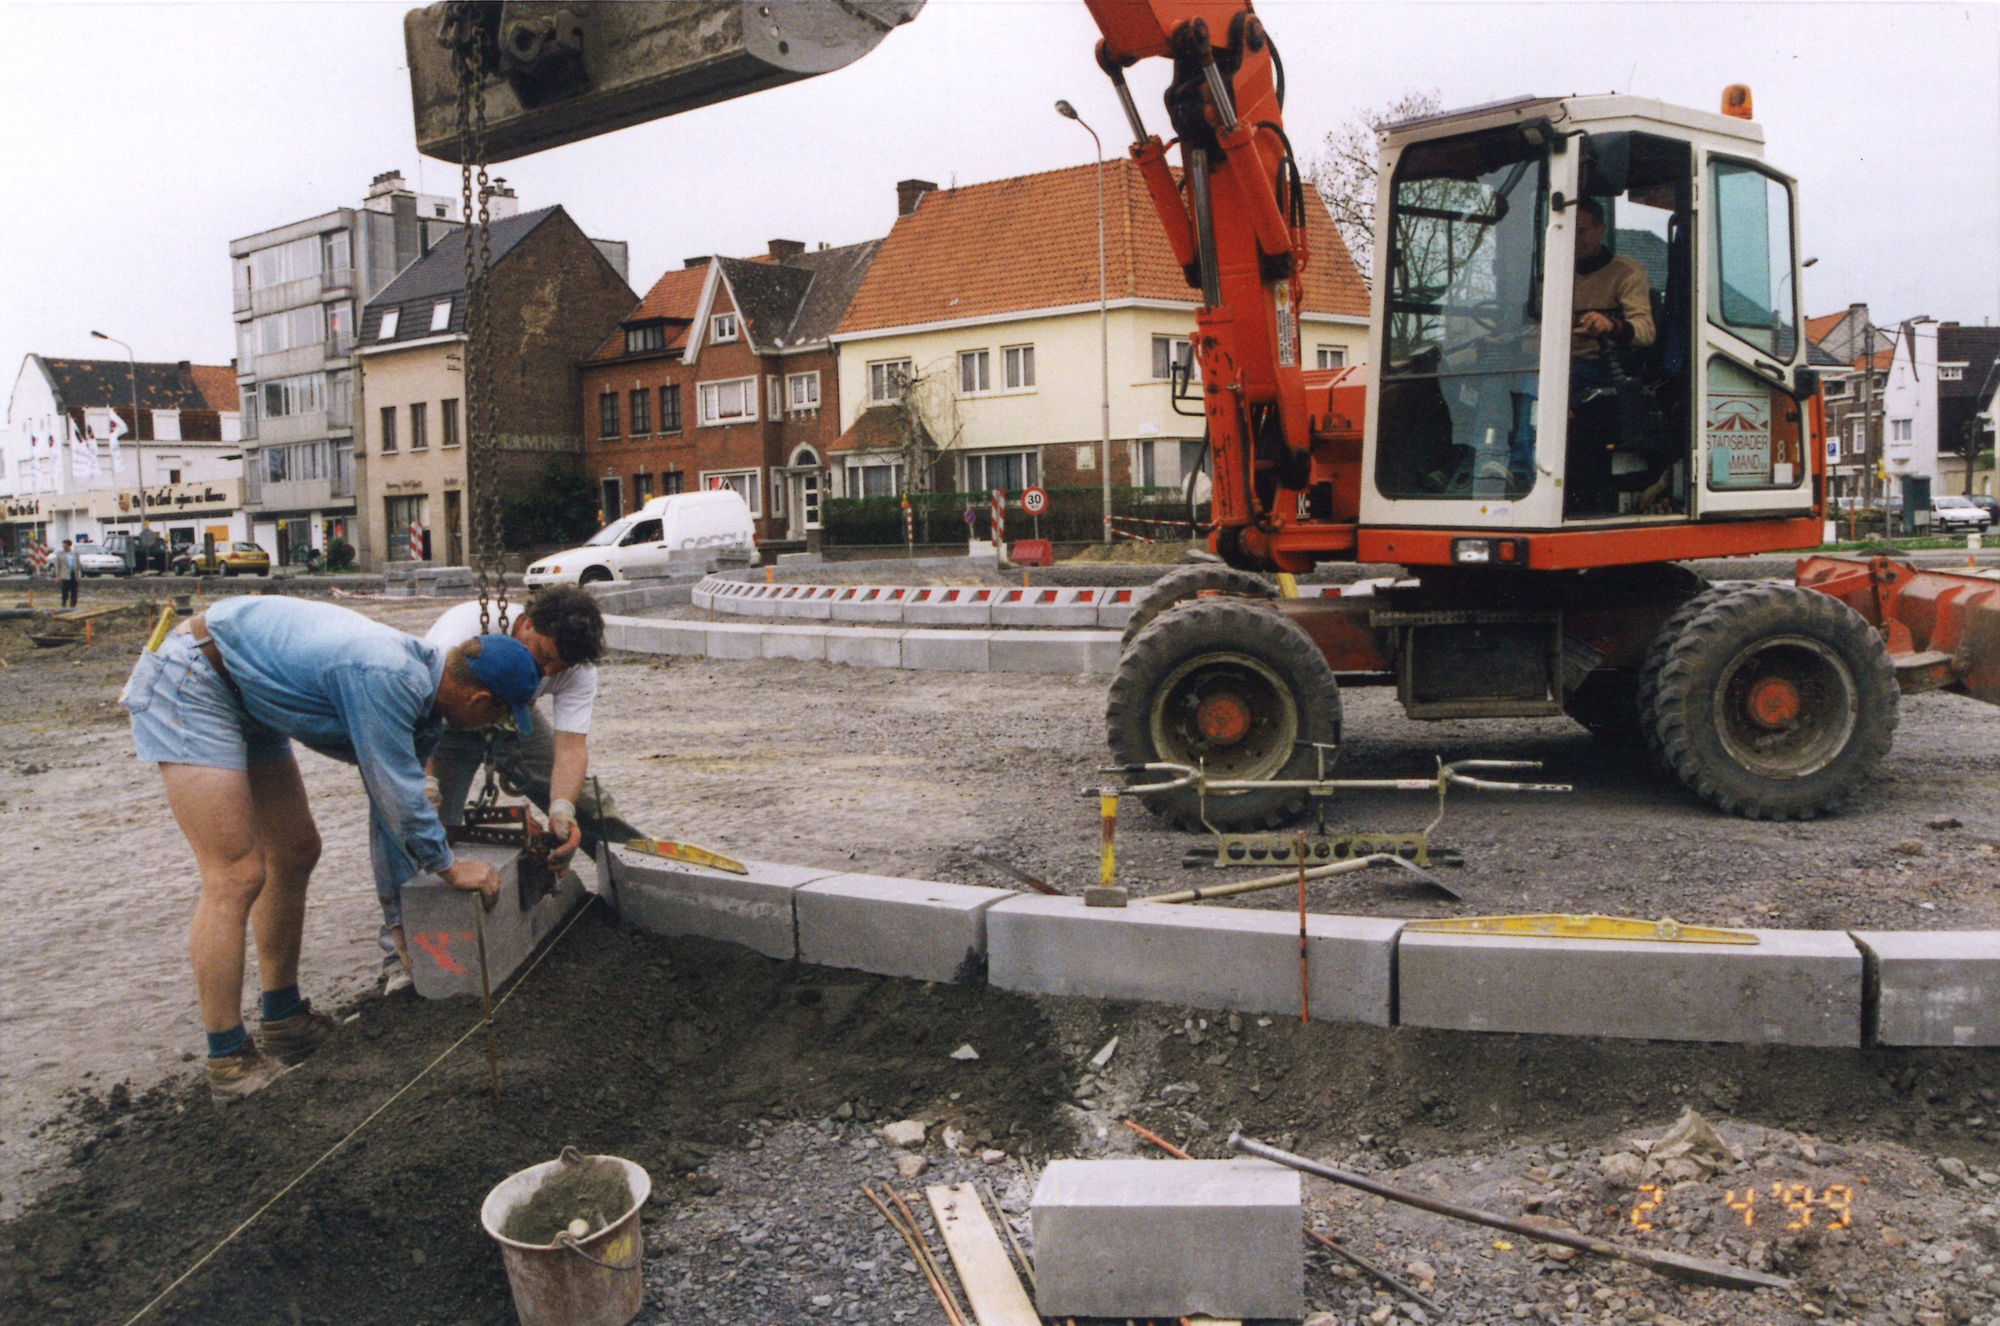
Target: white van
point(680, 527)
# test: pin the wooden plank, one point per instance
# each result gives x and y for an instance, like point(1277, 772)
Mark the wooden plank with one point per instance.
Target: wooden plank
point(983, 1267)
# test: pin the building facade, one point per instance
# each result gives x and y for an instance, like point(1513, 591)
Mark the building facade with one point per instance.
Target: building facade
point(979, 339)
point(724, 376)
point(75, 464)
point(555, 295)
point(298, 290)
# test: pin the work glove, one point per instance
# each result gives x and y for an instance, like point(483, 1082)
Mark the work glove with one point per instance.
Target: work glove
point(562, 824)
point(433, 793)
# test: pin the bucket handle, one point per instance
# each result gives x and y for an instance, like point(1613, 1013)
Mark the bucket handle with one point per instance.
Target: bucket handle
point(568, 1242)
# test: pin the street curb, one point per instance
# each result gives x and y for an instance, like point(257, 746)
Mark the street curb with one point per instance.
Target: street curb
point(1074, 653)
point(1828, 989)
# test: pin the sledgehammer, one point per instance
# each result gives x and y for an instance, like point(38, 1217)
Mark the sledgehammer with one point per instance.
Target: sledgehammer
point(1666, 1263)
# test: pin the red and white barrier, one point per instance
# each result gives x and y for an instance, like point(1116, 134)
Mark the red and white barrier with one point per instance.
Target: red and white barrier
point(416, 542)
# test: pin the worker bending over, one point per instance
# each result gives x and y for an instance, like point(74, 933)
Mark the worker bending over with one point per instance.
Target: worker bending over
point(217, 705)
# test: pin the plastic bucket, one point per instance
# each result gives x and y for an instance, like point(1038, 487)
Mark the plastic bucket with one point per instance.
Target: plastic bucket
point(592, 1281)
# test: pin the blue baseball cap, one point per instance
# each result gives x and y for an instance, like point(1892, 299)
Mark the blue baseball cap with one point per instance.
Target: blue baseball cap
point(506, 668)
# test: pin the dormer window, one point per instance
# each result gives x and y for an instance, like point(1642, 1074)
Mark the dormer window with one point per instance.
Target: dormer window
point(441, 316)
point(646, 336)
point(387, 331)
point(722, 327)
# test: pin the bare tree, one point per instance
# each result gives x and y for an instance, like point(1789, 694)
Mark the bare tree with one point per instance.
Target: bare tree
point(1344, 171)
point(930, 422)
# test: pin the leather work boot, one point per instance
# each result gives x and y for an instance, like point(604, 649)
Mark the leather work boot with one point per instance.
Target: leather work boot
point(244, 1073)
point(290, 1040)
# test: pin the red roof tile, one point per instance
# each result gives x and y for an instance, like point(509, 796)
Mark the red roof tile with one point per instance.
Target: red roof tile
point(1818, 329)
point(674, 295)
point(217, 385)
point(1031, 242)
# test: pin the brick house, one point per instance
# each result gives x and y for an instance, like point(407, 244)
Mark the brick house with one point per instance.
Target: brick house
point(978, 325)
point(556, 294)
point(724, 376)
point(1837, 345)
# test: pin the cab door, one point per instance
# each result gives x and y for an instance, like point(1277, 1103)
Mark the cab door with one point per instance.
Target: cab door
point(1752, 441)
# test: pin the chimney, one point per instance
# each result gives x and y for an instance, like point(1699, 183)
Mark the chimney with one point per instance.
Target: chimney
point(909, 193)
point(784, 250)
point(695, 261)
point(387, 182)
point(500, 200)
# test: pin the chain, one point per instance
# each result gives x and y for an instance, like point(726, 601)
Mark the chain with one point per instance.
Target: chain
point(461, 33)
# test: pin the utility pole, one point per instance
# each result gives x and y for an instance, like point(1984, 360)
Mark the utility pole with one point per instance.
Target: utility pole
point(138, 447)
point(1068, 112)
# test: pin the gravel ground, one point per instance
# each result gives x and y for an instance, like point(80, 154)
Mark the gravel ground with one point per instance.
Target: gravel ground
point(901, 773)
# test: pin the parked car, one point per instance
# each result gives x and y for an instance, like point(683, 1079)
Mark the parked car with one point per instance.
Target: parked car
point(238, 559)
point(678, 527)
point(100, 560)
point(1990, 505)
point(1957, 513)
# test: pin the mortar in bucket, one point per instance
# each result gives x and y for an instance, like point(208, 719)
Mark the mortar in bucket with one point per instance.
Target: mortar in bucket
point(581, 1275)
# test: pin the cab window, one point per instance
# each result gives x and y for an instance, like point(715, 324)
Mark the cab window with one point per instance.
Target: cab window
point(1750, 292)
point(646, 531)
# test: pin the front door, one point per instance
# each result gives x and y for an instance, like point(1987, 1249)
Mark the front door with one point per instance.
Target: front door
point(611, 498)
point(803, 490)
point(454, 536)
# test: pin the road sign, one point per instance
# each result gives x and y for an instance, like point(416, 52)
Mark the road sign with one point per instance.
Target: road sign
point(1034, 501)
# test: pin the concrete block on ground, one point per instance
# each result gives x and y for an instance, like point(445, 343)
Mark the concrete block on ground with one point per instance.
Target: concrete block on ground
point(1793, 987)
point(1935, 987)
point(1040, 606)
point(871, 603)
point(1168, 1238)
point(807, 642)
point(1227, 958)
point(641, 635)
point(806, 603)
point(730, 640)
point(1114, 607)
point(860, 647)
point(1075, 653)
point(443, 936)
point(896, 927)
point(946, 651)
point(958, 605)
point(754, 910)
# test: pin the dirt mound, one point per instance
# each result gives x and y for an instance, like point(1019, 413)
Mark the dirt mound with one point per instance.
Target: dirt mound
point(662, 1052)
point(1128, 553)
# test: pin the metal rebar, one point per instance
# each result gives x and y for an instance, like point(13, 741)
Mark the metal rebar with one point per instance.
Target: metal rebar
point(918, 1255)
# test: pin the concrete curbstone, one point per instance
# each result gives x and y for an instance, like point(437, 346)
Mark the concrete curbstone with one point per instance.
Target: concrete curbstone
point(946, 651)
point(1168, 1238)
point(805, 642)
point(860, 647)
point(444, 937)
point(644, 635)
point(959, 605)
point(871, 603)
point(1233, 959)
point(754, 910)
point(1075, 653)
point(896, 927)
point(1934, 987)
point(1794, 987)
point(727, 640)
point(1116, 607)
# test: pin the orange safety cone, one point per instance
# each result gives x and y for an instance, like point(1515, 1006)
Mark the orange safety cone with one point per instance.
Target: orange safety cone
point(89, 630)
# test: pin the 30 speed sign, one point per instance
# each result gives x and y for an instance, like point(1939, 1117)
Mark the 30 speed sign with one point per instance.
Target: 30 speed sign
point(1034, 501)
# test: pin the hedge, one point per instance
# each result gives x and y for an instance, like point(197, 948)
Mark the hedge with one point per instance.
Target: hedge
point(1074, 515)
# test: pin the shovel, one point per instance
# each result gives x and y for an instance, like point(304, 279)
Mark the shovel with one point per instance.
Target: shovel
point(1673, 1264)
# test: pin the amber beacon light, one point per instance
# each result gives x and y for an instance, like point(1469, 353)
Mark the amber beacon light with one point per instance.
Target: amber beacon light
point(1736, 101)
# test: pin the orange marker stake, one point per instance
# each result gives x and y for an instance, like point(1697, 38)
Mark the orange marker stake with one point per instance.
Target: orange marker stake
point(1108, 855)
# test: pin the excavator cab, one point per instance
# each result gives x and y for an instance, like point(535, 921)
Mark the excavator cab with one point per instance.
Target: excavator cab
point(1498, 229)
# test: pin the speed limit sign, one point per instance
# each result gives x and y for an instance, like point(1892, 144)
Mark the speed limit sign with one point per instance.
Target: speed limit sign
point(1034, 501)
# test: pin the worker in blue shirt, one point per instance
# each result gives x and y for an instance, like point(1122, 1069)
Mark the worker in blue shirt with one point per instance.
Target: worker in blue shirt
point(217, 706)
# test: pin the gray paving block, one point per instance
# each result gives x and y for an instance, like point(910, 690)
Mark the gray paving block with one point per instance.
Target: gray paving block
point(1935, 987)
point(895, 927)
point(438, 922)
point(860, 647)
point(1075, 653)
point(1168, 1238)
point(871, 603)
point(735, 640)
point(754, 910)
point(1213, 957)
point(640, 635)
point(955, 605)
point(1794, 987)
point(946, 651)
point(807, 642)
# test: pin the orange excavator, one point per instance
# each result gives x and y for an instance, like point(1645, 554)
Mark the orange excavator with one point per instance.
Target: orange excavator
point(1585, 368)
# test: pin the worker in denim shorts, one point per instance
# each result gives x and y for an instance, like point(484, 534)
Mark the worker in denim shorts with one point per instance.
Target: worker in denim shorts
point(217, 705)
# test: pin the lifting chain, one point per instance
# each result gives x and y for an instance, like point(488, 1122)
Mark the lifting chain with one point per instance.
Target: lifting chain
point(463, 32)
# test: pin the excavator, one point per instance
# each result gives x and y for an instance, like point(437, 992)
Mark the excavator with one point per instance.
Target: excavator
point(1538, 477)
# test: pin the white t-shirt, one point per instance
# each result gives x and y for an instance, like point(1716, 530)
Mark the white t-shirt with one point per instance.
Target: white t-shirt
point(571, 691)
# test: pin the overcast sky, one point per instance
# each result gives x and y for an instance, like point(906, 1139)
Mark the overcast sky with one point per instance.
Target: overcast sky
point(141, 138)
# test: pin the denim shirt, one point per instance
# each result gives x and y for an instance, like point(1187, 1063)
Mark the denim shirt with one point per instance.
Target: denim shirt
point(354, 690)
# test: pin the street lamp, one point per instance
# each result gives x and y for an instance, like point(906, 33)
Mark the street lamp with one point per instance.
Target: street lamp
point(1068, 112)
point(138, 448)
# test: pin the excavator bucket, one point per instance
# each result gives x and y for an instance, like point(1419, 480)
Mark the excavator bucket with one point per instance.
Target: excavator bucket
point(1942, 627)
point(559, 72)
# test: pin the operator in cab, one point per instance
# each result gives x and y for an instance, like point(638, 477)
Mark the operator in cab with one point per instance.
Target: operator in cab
point(1610, 310)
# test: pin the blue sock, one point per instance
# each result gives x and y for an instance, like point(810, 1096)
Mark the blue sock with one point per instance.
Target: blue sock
point(281, 1004)
point(222, 1044)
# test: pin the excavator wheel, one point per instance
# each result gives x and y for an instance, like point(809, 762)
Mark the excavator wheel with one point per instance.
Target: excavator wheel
point(1190, 582)
point(1230, 686)
point(1770, 701)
